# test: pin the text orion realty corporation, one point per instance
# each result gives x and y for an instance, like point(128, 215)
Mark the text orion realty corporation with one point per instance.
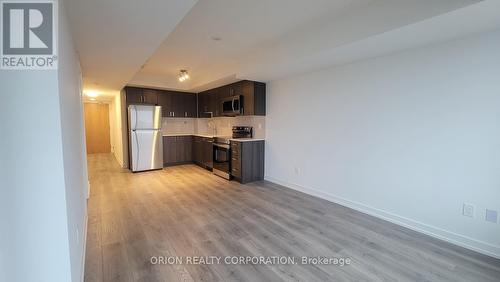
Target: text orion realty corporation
point(29, 35)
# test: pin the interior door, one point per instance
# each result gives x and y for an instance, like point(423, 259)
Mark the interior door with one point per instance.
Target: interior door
point(97, 128)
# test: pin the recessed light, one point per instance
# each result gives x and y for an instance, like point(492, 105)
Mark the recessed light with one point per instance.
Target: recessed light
point(215, 38)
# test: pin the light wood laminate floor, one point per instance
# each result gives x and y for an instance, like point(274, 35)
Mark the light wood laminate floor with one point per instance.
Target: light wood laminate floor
point(187, 211)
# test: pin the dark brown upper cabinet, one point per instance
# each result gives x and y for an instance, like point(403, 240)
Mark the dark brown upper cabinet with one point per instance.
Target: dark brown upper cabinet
point(150, 96)
point(177, 104)
point(254, 97)
point(208, 105)
point(204, 104)
point(184, 104)
point(253, 94)
point(137, 95)
point(165, 100)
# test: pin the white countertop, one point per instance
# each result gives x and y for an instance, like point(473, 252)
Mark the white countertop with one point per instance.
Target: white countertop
point(189, 134)
point(212, 136)
point(247, 139)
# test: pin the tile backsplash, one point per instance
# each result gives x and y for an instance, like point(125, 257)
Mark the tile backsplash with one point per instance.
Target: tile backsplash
point(206, 126)
point(178, 125)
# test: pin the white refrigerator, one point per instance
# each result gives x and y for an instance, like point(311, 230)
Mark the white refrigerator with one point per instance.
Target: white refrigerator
point(145, 137)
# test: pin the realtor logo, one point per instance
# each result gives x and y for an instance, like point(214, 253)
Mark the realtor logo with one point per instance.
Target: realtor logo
point(28, 35)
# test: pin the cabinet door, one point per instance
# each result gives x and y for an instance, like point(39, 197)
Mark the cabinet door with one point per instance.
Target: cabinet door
point(247, 91)
point(191, 105)
point(223, 92)
point(134, 95)
point(237, 88)
point(208, 152)
point(185, 105)
point(165, 101)
point(150, 96)
point(203, 104)
point(188, 148)
point(177, 104)
point(179, 149)
point(169, 149)
point(197, 150)
point(213, 103)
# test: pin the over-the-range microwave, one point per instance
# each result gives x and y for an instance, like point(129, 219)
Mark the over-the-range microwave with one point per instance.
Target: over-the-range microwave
point(231, 106)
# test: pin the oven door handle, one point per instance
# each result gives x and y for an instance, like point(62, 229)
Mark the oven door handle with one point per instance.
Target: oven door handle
point(225, 146)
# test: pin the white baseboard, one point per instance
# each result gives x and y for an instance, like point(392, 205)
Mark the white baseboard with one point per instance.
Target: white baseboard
point(445, 235)
point(84, 253)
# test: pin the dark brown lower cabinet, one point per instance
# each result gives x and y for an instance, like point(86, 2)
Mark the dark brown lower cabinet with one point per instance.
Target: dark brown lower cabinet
point(188, 149)
point(197, 150)
point(207, 152)
point(177, 150)
point(247, 160)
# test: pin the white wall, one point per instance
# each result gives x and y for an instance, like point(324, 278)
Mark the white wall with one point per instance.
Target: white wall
point(123, 129)
point(408, 137)
point(73, 142)
point(112, 126)
point(33, 185)
point(117, 129)
point(43, 170)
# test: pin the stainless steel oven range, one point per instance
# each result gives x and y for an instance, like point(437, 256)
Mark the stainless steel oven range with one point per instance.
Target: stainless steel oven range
point(222, 157)
point(222, 150)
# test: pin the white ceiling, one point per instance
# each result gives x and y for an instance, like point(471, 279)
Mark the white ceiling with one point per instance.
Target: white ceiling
point(114, 38)
point(261, 39)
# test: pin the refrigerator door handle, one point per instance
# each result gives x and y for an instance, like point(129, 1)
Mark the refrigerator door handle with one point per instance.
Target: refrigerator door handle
point(137, 152)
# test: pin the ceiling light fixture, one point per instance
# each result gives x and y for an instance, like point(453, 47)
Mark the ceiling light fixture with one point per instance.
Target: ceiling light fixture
point(91, 94)
point(183, 75)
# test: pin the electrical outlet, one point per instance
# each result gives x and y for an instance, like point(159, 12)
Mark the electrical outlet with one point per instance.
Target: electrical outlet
point(491, 216)
point(468, 210)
